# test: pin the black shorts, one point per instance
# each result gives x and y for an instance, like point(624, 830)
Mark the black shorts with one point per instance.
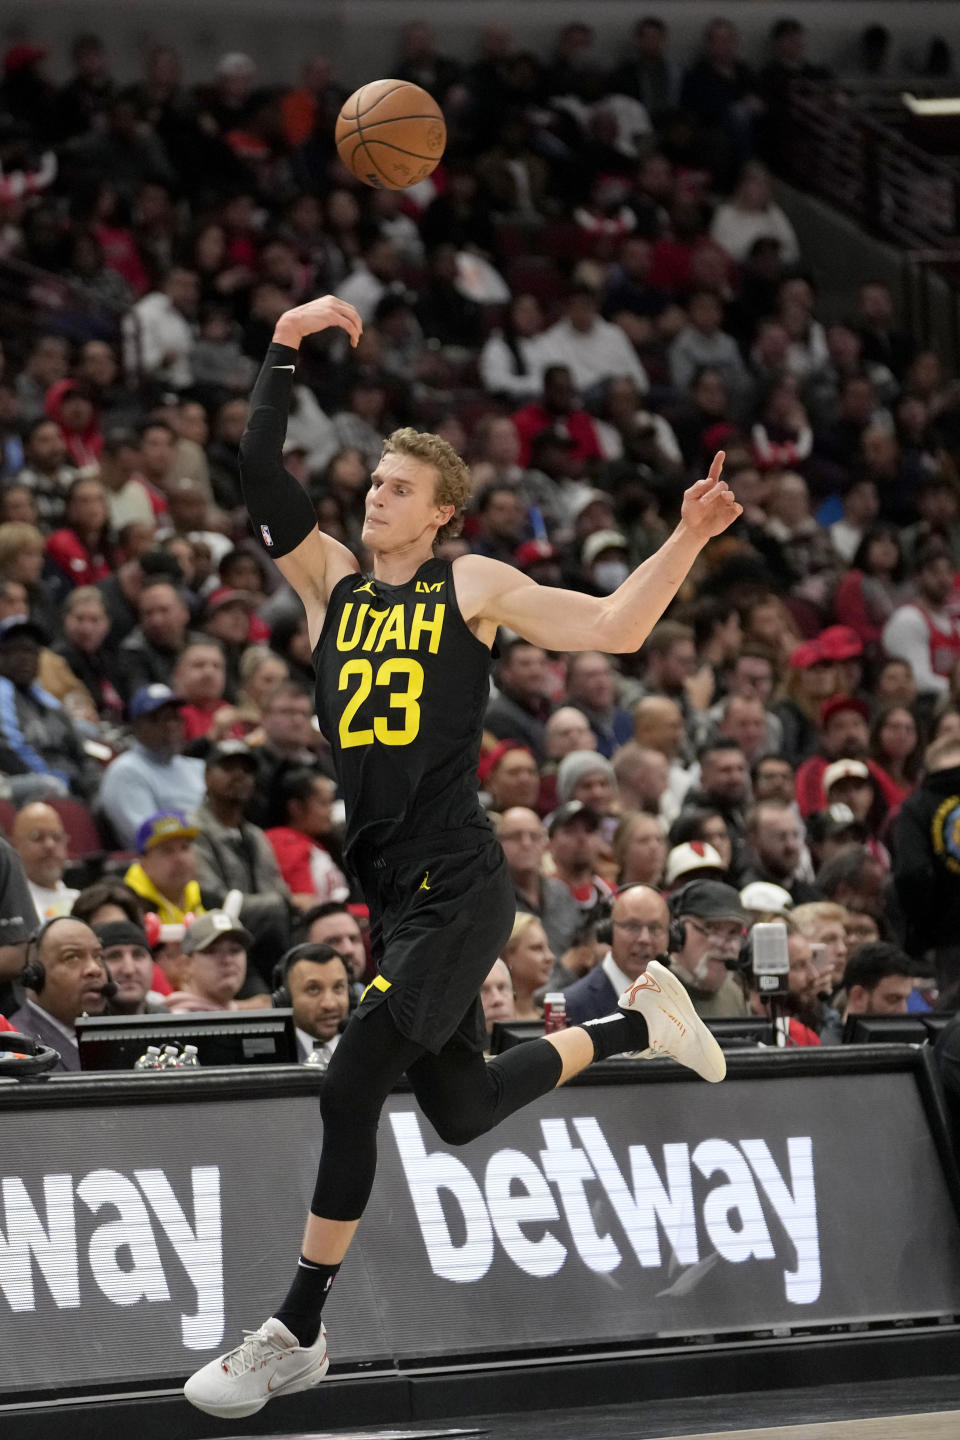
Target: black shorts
point(438, 921)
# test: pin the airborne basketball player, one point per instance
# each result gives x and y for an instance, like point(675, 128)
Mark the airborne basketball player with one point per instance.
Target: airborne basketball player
point(402, 658)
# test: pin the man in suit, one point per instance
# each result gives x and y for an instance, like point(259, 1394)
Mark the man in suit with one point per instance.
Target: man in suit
point(65, 978)
point(318, 986)
point(639, 926)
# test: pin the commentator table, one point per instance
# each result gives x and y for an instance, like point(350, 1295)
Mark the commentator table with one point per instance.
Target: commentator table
point(146, 1219)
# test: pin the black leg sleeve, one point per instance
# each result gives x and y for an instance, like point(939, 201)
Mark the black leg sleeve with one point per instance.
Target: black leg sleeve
point(279, 506)
point(463, 1096)
point(367, 1063)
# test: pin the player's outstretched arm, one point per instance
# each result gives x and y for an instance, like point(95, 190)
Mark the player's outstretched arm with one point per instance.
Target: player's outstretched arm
point(618, 623)
point(279, 507)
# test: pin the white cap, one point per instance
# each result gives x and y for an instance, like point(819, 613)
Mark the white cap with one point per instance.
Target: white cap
point(236, 63)
point(601, 540)
point(844, 770)
point(693, 855)
point(766, 898)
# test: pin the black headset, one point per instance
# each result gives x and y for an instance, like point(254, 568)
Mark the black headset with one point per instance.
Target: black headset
point(676, 931)
point(310, 950)
point(605, 922)
point(23, 1057)
point(34, 973)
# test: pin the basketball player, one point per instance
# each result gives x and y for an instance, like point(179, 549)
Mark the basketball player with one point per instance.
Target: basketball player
point(402, 658)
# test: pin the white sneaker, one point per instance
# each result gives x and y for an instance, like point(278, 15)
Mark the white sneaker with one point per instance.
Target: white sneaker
point(269, 1362)
point(674, 1026)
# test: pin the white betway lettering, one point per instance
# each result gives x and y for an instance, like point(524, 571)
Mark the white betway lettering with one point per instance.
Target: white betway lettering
point(650, 1200)
point(797, 1211)
point(426, 1176)
point(732, 1213)
point(655, 1198)
point(133, 1232)
point(199, 1250)
point(53, 1245)
point(122, 1252)
point(509, 1210)
point(569, 1169)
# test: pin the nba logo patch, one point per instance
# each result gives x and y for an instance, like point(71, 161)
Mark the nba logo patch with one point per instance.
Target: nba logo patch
point(267, 537)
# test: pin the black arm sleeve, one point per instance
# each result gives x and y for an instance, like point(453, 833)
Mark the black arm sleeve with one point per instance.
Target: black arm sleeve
point(278, 505)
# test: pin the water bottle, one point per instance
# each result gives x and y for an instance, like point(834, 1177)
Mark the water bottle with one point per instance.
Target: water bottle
point(150, 1059)
point(554, 1012)
point(170, 1059)
point(190, 1060)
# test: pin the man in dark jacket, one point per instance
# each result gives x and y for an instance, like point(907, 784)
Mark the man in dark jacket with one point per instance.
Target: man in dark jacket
point(37, 736)
point(232, 854)
point(18, 920)
point(524, 840)
point(519, 712)
point(926, 866)
point(775, 838)
point(150, 653)
point(68, 979)
point(287, 746)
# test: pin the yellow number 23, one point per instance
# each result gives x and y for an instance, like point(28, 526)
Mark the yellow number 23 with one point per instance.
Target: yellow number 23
point(403, 700)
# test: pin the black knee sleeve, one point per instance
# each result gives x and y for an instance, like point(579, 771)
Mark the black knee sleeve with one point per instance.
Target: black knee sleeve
point(368, 1062)
point(487, 1093)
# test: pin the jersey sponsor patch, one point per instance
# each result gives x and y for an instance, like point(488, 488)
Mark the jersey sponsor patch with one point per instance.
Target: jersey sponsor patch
point(267, 537)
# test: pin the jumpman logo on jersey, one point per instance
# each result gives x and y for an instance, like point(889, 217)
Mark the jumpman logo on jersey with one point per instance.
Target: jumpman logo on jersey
point(423, 882)
point(366, 588)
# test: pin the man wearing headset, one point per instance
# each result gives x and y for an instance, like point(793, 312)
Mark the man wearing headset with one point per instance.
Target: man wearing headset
point(636, 934)
point(65, 978)
point(313, 980)
point(707, 930)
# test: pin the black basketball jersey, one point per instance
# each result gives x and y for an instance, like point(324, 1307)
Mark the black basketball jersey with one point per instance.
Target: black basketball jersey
point(402, 687)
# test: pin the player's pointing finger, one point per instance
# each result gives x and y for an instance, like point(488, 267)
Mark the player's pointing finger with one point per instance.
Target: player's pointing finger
point(717, 466)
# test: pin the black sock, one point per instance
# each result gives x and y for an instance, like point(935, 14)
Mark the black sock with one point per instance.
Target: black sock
point(613, 1034)
point(300, 1310)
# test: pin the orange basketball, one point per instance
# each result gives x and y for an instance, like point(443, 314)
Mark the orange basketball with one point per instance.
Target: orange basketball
point(391, 134)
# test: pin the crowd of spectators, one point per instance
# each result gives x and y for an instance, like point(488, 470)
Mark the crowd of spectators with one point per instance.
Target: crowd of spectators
point(594, 292)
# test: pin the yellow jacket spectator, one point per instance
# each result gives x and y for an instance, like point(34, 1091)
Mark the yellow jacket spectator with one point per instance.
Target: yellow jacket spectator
point(166, 873)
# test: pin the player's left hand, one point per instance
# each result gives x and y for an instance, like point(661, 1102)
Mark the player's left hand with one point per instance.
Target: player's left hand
point(710, 505)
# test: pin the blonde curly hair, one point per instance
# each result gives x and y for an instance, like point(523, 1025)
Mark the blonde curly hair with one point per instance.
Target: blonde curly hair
point(453, 473)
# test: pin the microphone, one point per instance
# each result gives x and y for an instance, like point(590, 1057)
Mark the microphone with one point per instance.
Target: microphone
point(108, 989)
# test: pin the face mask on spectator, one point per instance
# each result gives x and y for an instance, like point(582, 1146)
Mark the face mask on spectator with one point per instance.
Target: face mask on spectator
point(609, 574)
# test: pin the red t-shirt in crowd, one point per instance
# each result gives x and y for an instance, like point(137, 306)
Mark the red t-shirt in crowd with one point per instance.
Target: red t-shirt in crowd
point(69, 554)
point(533, 419)
point(197, 720)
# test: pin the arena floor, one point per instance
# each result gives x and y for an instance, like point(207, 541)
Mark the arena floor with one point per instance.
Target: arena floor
point(888, 1410)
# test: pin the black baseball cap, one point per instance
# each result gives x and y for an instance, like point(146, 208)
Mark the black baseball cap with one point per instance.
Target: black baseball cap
point(573, 810)
point(121, 932)
point(22, 625)
point(231, 750)
point(709, 900)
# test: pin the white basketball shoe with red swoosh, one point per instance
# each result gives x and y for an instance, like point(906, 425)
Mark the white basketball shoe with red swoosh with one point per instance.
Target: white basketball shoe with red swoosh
point(675, 1028)
point(270, 1361)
